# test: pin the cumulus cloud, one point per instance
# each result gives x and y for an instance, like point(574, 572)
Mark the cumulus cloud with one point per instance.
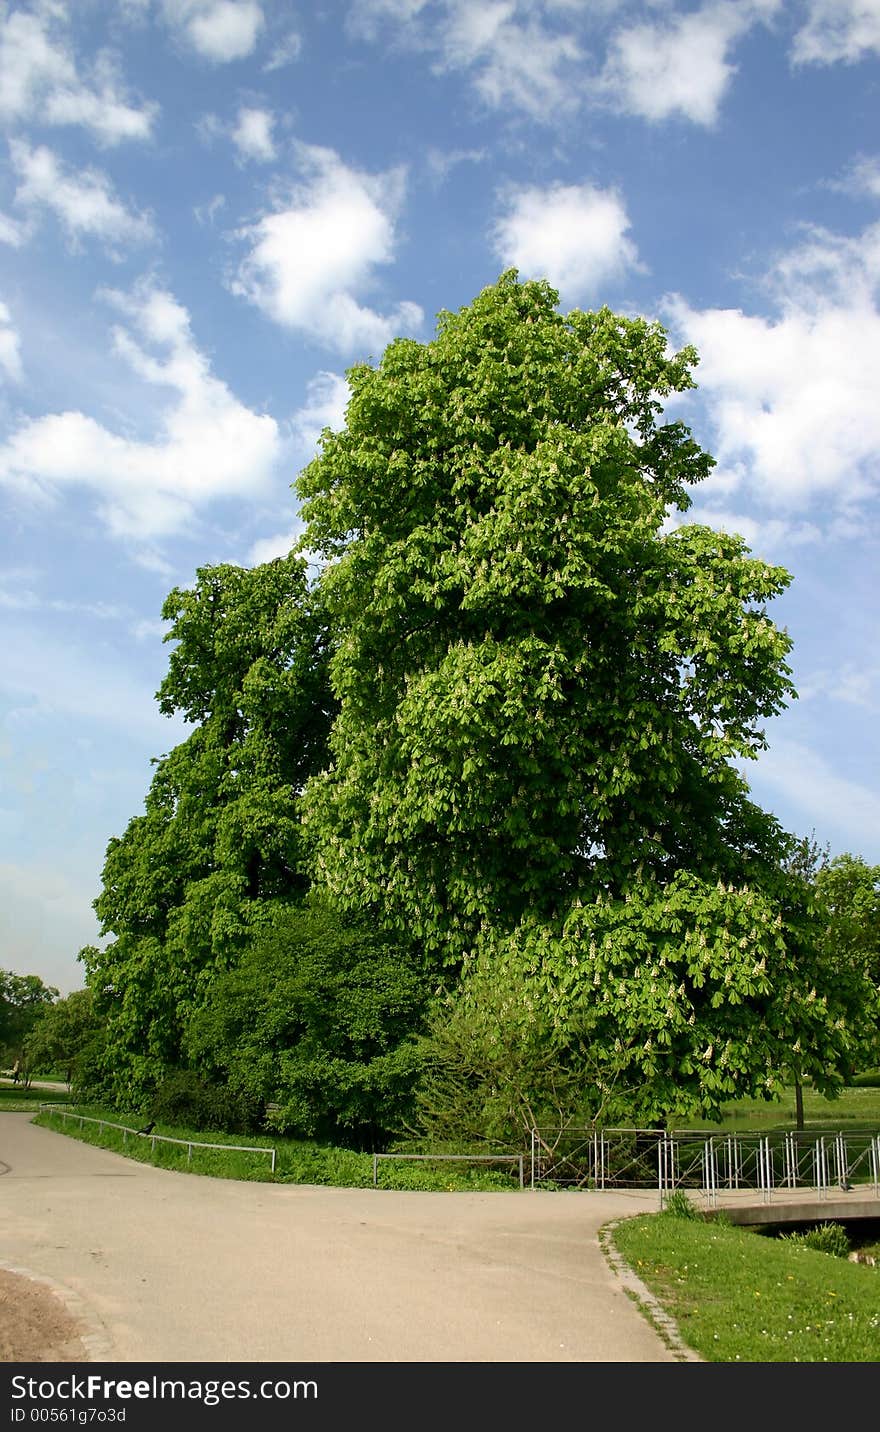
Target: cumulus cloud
point(794, 400)
point(680, 66)
point(218, 30)
point(838, 30)
point(574, 235)
point(515, 51)
point(39, 77)
point(207, 444)
point(311, 257)
point(539, 57)
point(327, 396)
point(83, 200)
point(252, 135)
point(10, 348)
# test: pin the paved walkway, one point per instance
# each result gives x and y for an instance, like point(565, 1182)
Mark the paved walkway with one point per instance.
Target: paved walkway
point(173, 1267)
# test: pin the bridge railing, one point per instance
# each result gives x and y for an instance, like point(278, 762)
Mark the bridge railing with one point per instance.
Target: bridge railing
point(826, 1162)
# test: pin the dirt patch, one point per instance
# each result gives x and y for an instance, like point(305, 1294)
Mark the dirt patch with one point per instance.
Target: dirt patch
point(35, 1326)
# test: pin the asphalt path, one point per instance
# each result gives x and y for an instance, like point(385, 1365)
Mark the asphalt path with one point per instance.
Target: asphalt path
point(175, 1267)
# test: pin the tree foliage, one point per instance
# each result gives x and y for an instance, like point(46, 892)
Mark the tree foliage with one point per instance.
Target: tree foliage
point(502, 734)
point(219, 842)
point(542, 687)
point(63, 1033)
point(316, 1020)
point(23, 1002)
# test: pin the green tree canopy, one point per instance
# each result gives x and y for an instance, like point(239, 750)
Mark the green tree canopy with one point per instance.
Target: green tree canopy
point(317, 1019)
point(62, 1034)
point(543, 686)
point(23, 1002)
point(219, 842)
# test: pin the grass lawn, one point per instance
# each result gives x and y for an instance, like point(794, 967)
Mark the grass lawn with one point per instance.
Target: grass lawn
point(738, 1296)
point(16, 1098)
point(856, 1106)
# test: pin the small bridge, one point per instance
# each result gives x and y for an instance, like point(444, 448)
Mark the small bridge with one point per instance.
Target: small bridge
point(788, 1176)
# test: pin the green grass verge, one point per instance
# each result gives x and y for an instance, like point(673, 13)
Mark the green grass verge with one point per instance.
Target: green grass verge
point(857, 1105)
point(739, 1297)
point(14, 1098)
point(297, 1161)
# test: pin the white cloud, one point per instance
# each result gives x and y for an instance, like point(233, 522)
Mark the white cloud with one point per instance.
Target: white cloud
point(795, 400)
point(517, 59)
point(805, 779)
point(514, 50)
point(862, 178)
point(39, 78)
point(845, 30)
point(10, 232)
point(207, 445)
point(310, 258)
point(284, 53)
point(268, 548)
point(441, 162)
point(206, 213)
point(84, 201)
point(680, 66)
point(763, 535)
point(219, 30)
point(252, 135)
point(573, 235)
point(327, 396)
point(855, 686)
point(10, 352)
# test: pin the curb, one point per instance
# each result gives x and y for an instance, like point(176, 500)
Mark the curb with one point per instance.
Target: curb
point(91, 1333)
point(643, 1298)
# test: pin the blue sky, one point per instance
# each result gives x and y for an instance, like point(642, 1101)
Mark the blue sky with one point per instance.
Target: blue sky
point(209, 209)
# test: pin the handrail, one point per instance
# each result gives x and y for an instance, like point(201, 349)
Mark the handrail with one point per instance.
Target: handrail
point(188, 1144)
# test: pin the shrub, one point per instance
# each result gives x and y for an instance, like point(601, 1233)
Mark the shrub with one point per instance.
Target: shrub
point(678, 1205)
point(184, 1098)
point(825, 1238)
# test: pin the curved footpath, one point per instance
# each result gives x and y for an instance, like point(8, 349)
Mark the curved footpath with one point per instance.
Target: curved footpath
point(172, 1267)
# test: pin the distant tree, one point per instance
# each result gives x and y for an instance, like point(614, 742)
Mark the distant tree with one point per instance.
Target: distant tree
point(219, 843)
point(848, 893)
point(23, 1000)
point(317, 1019)
point(62, 1033)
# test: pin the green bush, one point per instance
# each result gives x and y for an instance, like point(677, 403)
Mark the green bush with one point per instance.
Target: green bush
point(317, 1022)
point(825, 1238)
point(186, 1098)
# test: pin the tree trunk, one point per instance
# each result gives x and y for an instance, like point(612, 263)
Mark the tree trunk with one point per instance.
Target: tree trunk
point(798, 1104)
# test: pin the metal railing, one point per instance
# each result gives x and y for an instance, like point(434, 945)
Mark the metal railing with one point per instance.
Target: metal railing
point(824, 1162)
point(188, 1144)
